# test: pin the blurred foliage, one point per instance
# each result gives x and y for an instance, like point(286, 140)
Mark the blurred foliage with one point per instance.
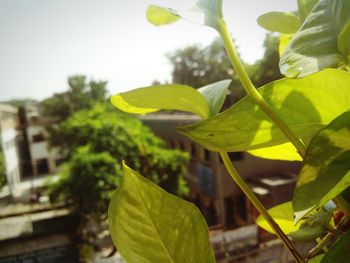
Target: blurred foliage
point(2, 169)
point(97, 141)
point(198, 66)
point(80, 95)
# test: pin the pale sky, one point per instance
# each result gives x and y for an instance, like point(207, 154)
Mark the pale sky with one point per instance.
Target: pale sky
point(42, 42)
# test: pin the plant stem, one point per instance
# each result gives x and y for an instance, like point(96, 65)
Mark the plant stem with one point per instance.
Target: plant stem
point(259, 206)
point(252, 92)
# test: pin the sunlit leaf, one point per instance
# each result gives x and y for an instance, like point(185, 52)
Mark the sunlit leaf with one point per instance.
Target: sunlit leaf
point(215, 95)
point(326, 169)
point(313, 227)
point(339, 252)
point(306, 105)
point(285, 151)
point(305, 7)
point(281, 22)
point(159, 16)
point(316, 259)
point(283, 215)
point(149, 225)
point(168, 97)
point(314, 46)
point(205, 12)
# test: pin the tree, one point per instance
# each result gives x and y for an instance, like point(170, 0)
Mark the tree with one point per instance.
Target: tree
point(80, 95)
point(266, 69)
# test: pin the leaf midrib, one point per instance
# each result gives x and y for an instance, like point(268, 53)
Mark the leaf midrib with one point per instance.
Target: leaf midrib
point(153, 225)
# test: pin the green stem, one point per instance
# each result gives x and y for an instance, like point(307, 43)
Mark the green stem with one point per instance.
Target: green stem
point(259, 206)
point(251, 90)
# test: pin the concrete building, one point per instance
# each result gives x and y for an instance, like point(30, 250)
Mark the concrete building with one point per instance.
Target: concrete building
point(9, 124)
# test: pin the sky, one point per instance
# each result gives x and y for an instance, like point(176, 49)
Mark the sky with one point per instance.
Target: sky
point(42, 42)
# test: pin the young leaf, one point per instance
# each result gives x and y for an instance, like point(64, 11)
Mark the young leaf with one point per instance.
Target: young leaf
point(326, 169)
point(169, 97)
point(314, 226)
point(281, 22)
point(339, 252)
point(159, 16)
point(149, 225)
point(306, 105)
point(283, 215)
point(314, 46)
point(215, 95)
point(205, 12)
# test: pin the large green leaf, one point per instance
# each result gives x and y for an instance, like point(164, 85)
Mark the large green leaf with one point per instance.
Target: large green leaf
point(344, 41)
point(306, 105)
point(305, 7)
point(169, 97)
point(205, 12)
point(314, 46)
point(281, 22)
point(149, 225)
point(326, 169)
point(283, 215)
point(339, 252)
point(215, 95)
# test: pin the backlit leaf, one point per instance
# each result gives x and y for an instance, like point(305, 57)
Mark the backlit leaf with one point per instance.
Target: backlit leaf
point(339, 252)
point(283, 215)
point(159, 16)
point(305, 7)
point(168, 97)
point(281, 22)
point(284, 40)
point(285, 151)
point(149, 225)
point(326, 169)
point(314, 46)
point(215, 95)
point(306, 105)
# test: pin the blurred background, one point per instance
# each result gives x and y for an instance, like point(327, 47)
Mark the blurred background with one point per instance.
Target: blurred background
point(62, 142)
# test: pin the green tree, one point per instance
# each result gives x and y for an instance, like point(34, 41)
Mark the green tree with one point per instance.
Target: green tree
point(266, 69)
point(80, 95)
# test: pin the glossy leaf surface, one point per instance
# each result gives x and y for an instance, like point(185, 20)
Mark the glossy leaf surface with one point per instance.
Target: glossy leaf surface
point(281, 22)
point(326, 169)
point(283, 215)
point(339, 252)
point(306, 105)
point(169, 97)
point(314, 46)
point(215, 95)
point(149, 225)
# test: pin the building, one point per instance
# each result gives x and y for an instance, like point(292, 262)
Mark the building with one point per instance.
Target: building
point(9, 124)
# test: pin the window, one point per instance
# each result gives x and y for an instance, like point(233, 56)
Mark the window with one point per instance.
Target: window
point(193, 150)
point(38, 137)
point(42, 166)
point(235, 156)
point(206, 155)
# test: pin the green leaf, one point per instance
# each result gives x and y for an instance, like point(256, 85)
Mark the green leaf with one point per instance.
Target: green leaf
point(168, 97)
point(305, 7)
point(283, 215)
point(344, 40)
point(205, 12)
point(149, 225)
point(314, 226)
point(314, 46)
point(316, 259)
point(306, 105)
point(215, 95)
point(284, 40)
point(326, 169)
point(339, 252)
point(285, 151)
point(159, 16)
point(281, 22)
